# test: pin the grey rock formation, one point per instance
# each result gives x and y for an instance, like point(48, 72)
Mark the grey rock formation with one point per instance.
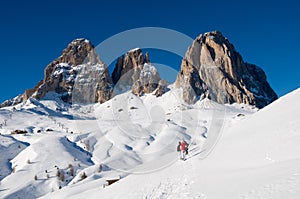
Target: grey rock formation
point(162, 88)
point(17, 100)
point(213, 68)
point(134, 71)
point(189, 80)
point(132, 61)
point(78, 75)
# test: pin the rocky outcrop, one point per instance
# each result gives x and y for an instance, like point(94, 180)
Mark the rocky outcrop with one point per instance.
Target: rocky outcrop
point(162, 88)
point(78, 75)
point(133, 61)
point(189, 80)
point(91, 84)
point(213, 68)
point(29, 92)
point(12, 102)
point(134, 71)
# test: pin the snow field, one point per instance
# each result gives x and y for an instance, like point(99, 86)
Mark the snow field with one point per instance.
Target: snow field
point(236, 151)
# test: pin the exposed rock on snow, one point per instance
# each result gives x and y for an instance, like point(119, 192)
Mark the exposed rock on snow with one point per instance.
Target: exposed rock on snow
point(13, 101)
point(134, 71)
point(189, 80)
point(132, 60)
point(213, 67)
point(78, 75)
point(78, 71)
point(161, 89)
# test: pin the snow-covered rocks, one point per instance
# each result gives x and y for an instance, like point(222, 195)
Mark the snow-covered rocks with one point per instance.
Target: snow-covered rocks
point(134, 72)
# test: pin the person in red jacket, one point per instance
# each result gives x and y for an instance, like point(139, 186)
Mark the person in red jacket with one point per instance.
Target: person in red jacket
point(183, 149)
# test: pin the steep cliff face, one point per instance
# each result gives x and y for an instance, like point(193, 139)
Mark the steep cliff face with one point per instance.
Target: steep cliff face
point(213, 68)
point(134, 71)
point(189, 80)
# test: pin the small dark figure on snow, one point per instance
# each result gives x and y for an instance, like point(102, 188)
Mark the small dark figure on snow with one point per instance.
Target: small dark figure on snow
point(183, 148)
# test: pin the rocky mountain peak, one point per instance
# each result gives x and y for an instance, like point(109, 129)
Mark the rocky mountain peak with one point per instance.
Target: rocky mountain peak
point(79, 51)
point(133, 60)
point(78, 71)
point(213, 67)
point(78, 75)
point(134, 71)
point(216, 36)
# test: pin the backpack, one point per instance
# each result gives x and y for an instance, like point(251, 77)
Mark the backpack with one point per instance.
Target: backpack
point(178, 147)
point(183, 146)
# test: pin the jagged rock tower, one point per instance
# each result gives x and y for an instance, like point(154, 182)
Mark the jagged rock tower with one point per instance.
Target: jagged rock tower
point(134, 71)
point(213, 68)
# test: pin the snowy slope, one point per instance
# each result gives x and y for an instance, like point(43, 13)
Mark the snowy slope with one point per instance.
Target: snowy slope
point(256, 157)
point(9, 148)
point(235, 152)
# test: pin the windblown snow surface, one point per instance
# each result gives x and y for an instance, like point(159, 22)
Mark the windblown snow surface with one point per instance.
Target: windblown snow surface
point(236, 151)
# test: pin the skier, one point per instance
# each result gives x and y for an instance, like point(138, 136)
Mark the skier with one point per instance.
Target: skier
point(183, 149)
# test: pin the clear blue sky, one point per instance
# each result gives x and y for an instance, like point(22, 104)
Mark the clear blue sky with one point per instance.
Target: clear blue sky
point(33, 33)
